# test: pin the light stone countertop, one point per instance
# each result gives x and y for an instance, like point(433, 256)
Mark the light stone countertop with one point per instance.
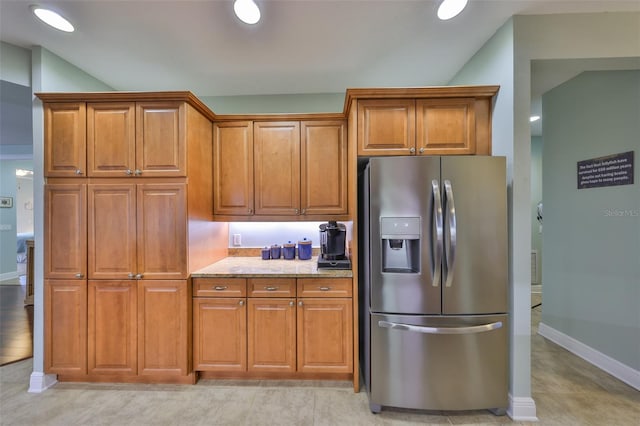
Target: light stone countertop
point(239, 267)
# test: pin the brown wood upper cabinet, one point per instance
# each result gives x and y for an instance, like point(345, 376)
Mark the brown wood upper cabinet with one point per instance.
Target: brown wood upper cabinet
point(115, 139)
point(65, 139)
point(136, 139)
point(441, 125)
point(233, 168)
point(280, 168)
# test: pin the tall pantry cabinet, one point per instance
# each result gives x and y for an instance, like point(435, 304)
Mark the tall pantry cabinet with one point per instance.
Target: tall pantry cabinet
point(128, 208)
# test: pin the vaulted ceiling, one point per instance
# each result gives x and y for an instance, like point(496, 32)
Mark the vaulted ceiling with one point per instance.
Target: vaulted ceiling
point(299, 46)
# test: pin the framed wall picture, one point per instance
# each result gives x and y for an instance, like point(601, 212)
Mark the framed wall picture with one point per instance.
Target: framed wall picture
point(6, 202)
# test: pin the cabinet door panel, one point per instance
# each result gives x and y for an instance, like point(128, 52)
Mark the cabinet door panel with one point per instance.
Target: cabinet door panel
point(111, 139)
point(162, 231)
point(163, 308)
point(325, 336)
point(386, 126)
point(446, 126)
point(65, 231)
point(323, 167)
point(219, 334)
point(65, 326)
point(112, 231)
point(161, 144)
point(65, 139)
point(112, 331)
point(233, 168)
point(277, 168)
point(271, 335)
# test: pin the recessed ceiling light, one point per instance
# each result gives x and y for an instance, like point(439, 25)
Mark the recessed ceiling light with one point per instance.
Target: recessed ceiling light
point(451, 8)
point(534, 118)
point(52, 18)
point(247, 11)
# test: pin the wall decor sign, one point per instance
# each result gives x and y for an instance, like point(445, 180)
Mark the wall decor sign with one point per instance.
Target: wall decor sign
point(6, 202)
point(612, 170)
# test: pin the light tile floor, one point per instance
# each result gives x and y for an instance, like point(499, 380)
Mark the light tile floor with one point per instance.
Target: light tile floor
point(567, 391)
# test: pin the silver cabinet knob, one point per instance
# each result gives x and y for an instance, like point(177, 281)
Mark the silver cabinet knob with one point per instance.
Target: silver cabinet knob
point(291, 303)
point(422, 150)
point(412, 150)
point(80, 275)
point(128, 172)
point(304, 211)
point(139, 276)
point(131, 275)
point(250, 211)
point(296, 211)
point(300, 303)
point(138, 172)
point(241, 303)
point(78, 171)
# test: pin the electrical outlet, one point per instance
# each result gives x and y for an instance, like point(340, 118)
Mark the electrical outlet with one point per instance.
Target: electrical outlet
point(237, 240)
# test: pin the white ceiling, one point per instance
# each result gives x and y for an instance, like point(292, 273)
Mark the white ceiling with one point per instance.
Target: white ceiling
point(299, 46)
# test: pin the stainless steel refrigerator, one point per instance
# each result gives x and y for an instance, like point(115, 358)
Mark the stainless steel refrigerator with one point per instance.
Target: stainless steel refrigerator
point(435, 321)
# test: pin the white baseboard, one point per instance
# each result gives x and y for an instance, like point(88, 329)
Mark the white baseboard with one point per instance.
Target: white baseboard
point(522, 409)
point(40, 382)
point(597, 358)
point(9, 275)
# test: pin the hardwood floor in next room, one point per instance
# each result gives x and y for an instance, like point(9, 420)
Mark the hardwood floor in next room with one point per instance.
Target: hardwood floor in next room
point(16, 322)
point(568, 392)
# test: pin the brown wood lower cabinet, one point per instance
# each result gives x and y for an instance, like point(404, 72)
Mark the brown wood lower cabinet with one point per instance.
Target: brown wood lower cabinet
point(325, 335)
point(118, 330)
point(112, 327)
point(163, 327)
point(272, 335)
point(285, 327)
point(220, 334)
point(65, 332)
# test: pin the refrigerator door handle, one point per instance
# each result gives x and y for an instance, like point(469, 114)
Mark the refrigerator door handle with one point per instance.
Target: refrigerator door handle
point(437, 217)
point(441, 330)
point(450, 253)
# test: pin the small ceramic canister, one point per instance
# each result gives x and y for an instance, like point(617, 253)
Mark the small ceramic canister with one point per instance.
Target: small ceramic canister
point(266, 253)
point(275, 251)
point(304, 249)
point(289, 250)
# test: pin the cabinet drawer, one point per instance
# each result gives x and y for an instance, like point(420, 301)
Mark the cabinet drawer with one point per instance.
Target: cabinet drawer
point(272, 287)
point(219, 287)
point(324, 287)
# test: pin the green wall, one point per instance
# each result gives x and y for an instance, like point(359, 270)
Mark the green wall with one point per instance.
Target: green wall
point(592, 236)
point(536, 197)
point(272, 104)
point(15, 64)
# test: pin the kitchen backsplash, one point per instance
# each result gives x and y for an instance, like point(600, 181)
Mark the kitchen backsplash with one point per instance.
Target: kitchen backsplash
point(261, 234)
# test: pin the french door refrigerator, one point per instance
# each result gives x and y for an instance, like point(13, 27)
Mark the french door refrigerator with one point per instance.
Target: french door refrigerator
point(435, 282)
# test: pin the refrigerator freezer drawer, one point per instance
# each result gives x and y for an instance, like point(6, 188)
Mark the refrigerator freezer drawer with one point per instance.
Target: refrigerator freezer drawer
point(439, 363)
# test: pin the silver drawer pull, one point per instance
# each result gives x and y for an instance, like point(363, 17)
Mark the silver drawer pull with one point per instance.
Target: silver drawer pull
point(241, 303)
point(220, 287)
point(324, 288)
point(271, 288)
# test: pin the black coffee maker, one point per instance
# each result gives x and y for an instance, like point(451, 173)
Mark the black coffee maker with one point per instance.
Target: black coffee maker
point(333, 237)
